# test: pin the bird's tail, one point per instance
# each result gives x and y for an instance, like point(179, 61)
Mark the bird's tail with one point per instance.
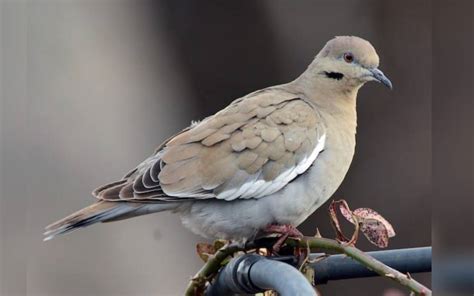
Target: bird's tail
point(102, 211)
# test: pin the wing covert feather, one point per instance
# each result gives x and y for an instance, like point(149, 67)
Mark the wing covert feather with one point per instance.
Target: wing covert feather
point(250, 149)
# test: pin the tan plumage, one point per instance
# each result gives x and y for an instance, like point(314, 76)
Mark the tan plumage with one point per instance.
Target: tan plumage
point(265, 133)
point(250, 155)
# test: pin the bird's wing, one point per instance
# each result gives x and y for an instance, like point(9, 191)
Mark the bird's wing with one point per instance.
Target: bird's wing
point(252, 148)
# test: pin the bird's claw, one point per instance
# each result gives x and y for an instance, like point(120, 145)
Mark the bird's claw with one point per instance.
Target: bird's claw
point(286, 231)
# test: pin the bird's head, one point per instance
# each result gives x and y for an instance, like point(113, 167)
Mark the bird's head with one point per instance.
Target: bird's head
point(347, 62)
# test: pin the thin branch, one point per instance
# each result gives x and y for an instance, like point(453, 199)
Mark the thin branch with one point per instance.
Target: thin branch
point(364, 259)
point(212, 266)
point(197, 284)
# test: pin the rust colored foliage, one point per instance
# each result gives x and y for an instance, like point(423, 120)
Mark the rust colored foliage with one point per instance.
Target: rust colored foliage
point(375, 227)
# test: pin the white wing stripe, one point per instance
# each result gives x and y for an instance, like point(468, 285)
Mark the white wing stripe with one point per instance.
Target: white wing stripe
point(255, 187)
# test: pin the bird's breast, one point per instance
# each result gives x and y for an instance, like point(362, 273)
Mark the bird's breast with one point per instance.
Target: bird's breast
point(306, 193)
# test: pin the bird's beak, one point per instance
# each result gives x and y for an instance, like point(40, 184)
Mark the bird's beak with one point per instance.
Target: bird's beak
point(380, 77)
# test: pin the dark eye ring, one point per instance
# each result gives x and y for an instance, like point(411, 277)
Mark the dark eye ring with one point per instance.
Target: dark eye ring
point(348, 57)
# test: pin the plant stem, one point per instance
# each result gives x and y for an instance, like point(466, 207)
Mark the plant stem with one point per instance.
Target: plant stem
point(197, 283)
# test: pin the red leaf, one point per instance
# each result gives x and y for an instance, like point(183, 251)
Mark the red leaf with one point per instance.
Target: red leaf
point(375, 231)
point(346, 212)
point(205, 250)
point(367, 213)
point(335, 221)
point(372, 224)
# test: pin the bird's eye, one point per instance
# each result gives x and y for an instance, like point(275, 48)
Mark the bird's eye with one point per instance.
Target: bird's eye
point(348, 57)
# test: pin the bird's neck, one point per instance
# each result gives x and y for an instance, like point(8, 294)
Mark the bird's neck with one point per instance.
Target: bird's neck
point(333, 101)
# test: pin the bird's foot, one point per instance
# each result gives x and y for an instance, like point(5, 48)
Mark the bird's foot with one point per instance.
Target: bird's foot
point(302, 255)
point(285, 231)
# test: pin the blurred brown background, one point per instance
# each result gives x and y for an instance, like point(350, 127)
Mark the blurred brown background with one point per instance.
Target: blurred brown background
point(453, 147)
point(89, 88)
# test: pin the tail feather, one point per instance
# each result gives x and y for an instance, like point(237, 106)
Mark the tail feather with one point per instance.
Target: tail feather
point(103, 211)
point(92, 214)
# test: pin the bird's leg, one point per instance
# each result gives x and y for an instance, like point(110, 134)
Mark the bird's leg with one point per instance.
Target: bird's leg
point(302, 255)
point(286, 231)
point(276, 247)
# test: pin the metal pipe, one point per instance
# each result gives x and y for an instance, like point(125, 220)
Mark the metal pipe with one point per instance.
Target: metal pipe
point(251, 273)
point(338, 267)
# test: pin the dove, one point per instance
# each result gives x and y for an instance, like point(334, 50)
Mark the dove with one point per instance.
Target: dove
point(263, 164)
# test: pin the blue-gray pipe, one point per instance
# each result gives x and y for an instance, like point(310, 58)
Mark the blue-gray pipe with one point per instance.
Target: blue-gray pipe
point(339, 267)
point(251, 273)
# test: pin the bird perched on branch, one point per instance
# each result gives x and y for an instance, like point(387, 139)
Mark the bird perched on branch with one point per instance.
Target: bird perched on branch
point(261, 165)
